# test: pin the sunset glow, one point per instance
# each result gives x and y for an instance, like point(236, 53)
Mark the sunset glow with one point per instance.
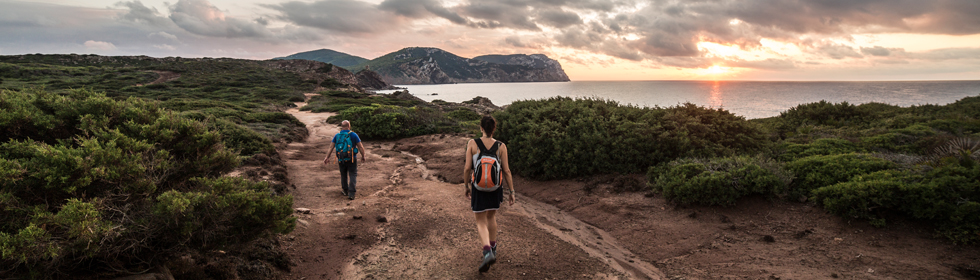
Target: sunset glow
point(592, 39)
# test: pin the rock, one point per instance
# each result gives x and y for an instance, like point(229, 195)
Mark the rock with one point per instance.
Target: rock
point(769, 239)
point(304, 211)
point(303, 222)
point(370, 80)
point(382, 219)
point(356, 217)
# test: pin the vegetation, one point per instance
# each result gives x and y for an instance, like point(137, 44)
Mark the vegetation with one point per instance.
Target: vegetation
point(87, 179)
point(871, 161)
point(390, 116)
point(718, 181)
point(563, 137)
point(242, 98)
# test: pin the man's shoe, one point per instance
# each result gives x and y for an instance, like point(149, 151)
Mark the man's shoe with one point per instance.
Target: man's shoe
point(350, 197)
point(344, 192)
point(488, 259)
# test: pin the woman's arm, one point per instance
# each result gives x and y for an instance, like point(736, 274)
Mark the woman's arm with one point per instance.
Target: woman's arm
point(506, 170)
point(468, 167)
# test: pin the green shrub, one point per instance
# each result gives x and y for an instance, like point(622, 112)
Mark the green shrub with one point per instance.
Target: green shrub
point(563, 137)
point(85, 179)
point(390, 121)
point(717, 181)
point(336, 101)
point(823, 146)
point(463, 114)
point(947, 195)
point(818, 171)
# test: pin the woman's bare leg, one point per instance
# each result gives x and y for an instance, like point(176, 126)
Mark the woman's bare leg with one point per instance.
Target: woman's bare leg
point(492, 226)
point(481, 228)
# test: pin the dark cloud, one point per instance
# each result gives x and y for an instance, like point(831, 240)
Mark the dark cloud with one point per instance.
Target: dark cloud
point(202, 18)
point(342, 16)
point(559, 18)
point(877, 51)
point(421, 9)
point(836, 51)
point(139, 13)
point(497, 15)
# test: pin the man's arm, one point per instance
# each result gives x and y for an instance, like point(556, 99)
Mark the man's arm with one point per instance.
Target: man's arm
point(360, 147)
point(329, 154)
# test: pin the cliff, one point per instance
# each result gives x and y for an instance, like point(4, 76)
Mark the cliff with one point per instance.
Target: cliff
point(371, 80)
point(435, 66)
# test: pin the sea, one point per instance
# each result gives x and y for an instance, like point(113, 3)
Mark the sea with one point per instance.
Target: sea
point(750, 99)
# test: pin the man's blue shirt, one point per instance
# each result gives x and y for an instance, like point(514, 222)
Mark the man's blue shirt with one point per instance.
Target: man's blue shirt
point(354, 139)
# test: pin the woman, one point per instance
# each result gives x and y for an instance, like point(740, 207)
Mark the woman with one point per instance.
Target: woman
point(484, 203)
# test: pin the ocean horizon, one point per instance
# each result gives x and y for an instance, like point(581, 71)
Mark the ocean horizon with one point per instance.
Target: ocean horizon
point(750, 99)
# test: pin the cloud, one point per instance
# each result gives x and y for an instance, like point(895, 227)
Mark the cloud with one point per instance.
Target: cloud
point(948, 54)
point(422, 9)
point(139, 13)
point(836, 51)
point(515, 41)
point(559, 18)
point(99, 46)
point(342, 16)
point(163, 35)
point(202, 18)
point(878, 51)
point(165, 47)
point(766, 64)
point(500, 15)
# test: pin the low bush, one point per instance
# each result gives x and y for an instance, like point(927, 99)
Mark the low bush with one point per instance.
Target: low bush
point(88, 181)
point(336, 101)
point(819, 171)
point(563, 137)
point(390, 121)
point(948, 195)
point(718, 181)
point(822, 147)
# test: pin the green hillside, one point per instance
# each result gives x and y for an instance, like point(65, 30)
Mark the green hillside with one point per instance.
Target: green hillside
point(328, 56)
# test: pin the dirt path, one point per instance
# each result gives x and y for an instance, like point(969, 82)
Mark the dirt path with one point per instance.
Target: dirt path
point(165, 76)
point(408, 223)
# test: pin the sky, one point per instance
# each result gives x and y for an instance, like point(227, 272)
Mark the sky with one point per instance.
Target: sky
point(764, 40)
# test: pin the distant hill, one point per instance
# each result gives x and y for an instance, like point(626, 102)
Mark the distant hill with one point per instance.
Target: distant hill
point(418, 65)
point(328, 56)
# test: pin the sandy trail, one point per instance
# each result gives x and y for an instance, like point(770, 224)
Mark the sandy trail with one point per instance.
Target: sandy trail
point(408, 223)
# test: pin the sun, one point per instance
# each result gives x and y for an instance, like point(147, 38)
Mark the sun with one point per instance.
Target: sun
point(715, 69)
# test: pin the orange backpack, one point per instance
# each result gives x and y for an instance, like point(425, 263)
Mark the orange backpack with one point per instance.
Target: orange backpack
point(486, 168)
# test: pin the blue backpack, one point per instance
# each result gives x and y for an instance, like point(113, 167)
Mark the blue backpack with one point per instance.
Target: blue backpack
point(344, 147)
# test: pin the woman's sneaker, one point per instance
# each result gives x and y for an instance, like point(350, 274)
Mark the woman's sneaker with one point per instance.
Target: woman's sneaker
point(488, 259)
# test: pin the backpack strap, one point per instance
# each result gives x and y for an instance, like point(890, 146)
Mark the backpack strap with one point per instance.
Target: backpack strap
point(483, 149)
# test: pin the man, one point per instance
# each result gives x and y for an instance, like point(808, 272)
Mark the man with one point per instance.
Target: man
point(348, 145)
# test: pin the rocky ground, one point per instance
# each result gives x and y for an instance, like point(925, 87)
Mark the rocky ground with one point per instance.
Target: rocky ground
point(411, 221)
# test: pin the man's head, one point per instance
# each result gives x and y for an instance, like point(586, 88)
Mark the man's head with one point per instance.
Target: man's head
point(345, 125)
